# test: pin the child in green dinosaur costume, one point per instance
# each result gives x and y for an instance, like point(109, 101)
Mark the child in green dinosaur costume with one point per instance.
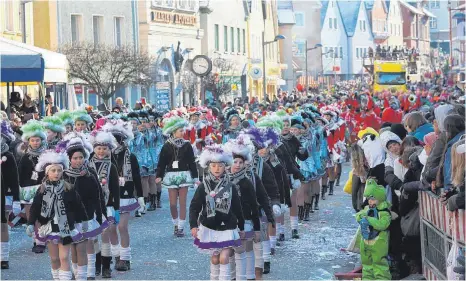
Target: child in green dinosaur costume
point(374, 220)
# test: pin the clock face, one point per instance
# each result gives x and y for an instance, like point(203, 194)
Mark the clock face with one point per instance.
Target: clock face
point(201, 65)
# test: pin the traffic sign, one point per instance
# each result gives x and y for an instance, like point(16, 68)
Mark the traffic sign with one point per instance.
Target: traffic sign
point(255, 73)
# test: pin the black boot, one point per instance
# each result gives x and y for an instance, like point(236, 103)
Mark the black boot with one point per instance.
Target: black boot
point(266, 267)
point(106, 271)
point(137, 214)
point(294, 234)
point(5, 265)
point(98, 264)
point(281, 238)
point(307, 209)
point(337, 182)
point(316, 202)
point(122, 265)
point(117, 259)
point(324, 190)
point(330, 185)
point(300, 213)
point(152, 206)
point(159, 194)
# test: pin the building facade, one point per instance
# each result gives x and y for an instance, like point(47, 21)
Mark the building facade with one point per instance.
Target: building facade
point(169, 30)
point(225, 42)
point(306, 32)
point(346, 37)
point(458, 36)
point(12, 14)
point(378, 17)
point(112, 23)
point(394, 24)
point(439, 27)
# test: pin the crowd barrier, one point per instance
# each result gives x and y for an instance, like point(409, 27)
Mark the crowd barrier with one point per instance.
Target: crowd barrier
point(439, 228)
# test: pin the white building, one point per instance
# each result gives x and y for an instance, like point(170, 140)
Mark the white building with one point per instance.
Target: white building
point(225, 42)
point(167, 29)
point(346, 37)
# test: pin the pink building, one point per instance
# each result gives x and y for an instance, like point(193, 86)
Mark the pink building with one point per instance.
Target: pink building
point(378, 13)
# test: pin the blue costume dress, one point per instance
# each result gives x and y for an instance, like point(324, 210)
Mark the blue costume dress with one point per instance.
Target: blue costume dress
point(139, 146)
point(308, 167)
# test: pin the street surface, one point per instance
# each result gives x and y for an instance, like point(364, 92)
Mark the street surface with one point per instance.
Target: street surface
point(158, 255)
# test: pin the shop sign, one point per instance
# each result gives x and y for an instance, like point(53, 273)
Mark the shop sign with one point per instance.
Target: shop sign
point(78, 89)
point(273, 71)
point(162, 96)
point(174, 18)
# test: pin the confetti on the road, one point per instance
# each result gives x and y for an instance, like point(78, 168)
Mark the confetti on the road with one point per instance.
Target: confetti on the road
point(172, 261)
point(336, 266)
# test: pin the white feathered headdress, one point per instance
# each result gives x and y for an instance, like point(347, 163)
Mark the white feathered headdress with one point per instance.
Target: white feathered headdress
point(119, 128)
point(50, 157)
point(215, 154)
point(242, 146)
point(73, 141)
point(101, 138)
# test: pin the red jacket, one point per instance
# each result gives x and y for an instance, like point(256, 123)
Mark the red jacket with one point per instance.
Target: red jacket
point(392, 116)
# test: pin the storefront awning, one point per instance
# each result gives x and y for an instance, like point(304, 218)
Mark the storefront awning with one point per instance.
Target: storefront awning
point(20, 65)
point(56, 64)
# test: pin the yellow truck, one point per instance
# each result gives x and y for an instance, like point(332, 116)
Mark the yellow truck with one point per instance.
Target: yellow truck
point(389, 75)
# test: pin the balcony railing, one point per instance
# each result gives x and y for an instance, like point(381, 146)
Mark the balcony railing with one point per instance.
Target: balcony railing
point(380, 35)
point(163, 4)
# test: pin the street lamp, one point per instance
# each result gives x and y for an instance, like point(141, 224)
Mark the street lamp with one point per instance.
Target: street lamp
point(318, 45)
point(264, 43)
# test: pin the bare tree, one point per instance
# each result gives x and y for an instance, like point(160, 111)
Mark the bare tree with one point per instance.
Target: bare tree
point(219, 82)
point(189, 80)
point(107, 68)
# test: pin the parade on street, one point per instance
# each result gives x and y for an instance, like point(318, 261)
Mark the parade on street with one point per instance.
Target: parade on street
point(232, 140)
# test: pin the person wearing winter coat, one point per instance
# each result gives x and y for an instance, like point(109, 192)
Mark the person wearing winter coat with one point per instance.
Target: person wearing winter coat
point(374, 153)
point(360, 169)
point(455, 129)
point(456, 201)
point(9, 190)
point(411, 244)
point(433, 161)
point(417, 125)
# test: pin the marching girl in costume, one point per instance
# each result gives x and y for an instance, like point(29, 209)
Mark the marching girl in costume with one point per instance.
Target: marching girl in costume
point(103, 143)
point(88, 187)
point(35, 136)
point(215, 213)
point(177, 168)
point(234, 125)
point(196, 131)
point(55, 129)
point(296, 151)
point(139, 147)
point(130, 185)
point(57, 209)
point(82, 120)
point(263, 140)
point(9, 188)
point(156, 144)
point(328, 180)
point(244, 255)
point(67, 120)
point(278, 159)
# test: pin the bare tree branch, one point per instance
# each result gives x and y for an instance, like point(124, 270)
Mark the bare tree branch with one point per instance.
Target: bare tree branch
point(107, 68)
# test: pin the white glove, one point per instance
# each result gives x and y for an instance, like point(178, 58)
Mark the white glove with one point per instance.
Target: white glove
point(16, 208)
point(141, 203)
point(30, 230)
point(296, 184)
point(196, 183)
point(276, 210)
